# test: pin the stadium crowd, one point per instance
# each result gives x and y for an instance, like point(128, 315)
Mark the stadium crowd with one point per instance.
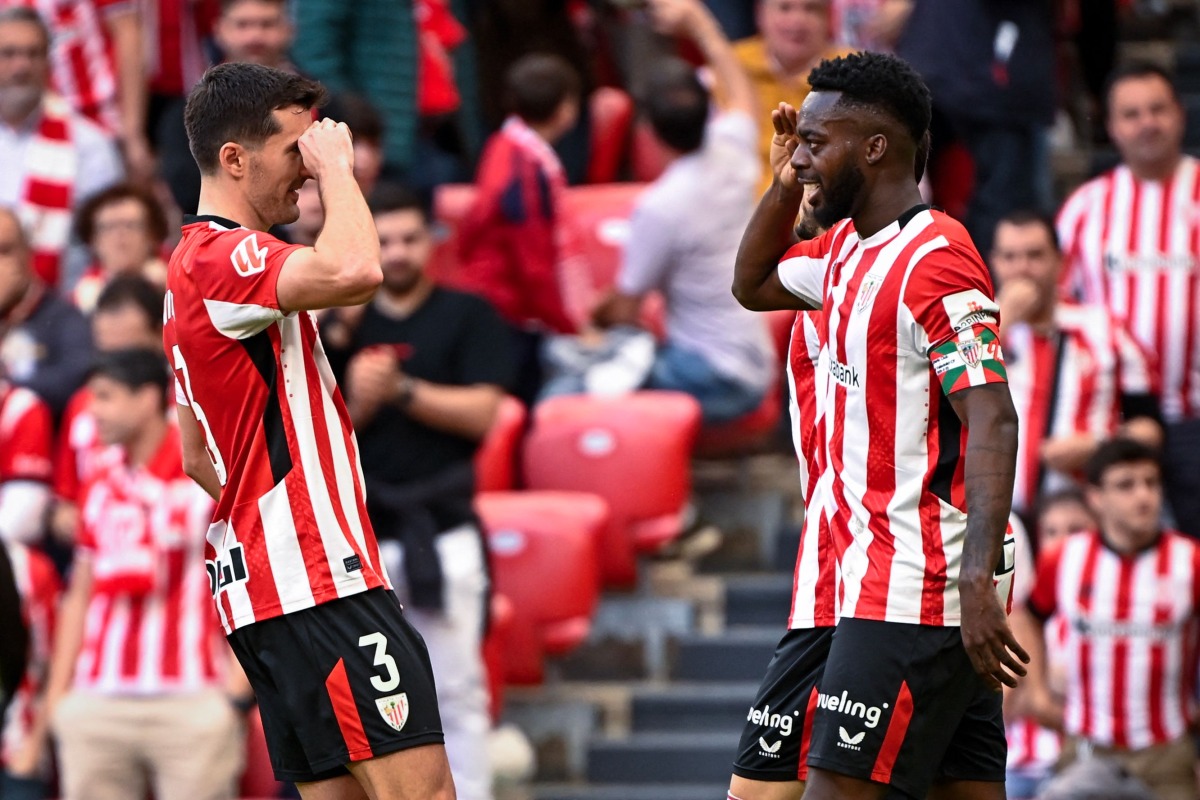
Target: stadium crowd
point(475, 125)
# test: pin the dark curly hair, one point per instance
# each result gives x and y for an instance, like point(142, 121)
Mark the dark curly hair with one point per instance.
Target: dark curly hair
point(880, 81)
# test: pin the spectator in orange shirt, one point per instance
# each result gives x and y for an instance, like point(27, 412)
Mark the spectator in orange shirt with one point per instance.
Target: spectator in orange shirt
point(793, 35)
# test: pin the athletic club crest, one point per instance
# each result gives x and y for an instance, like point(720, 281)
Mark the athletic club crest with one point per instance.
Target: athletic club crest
point(393, 709)
point(866, 292)
point(971, 351)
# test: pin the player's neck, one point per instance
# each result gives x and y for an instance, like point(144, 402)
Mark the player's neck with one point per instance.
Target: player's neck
point(886, 203)
point(142, 447)
point(1128, 542)
point(216, 201)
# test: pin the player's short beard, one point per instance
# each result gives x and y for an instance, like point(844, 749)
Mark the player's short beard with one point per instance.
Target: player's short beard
point(839, 195)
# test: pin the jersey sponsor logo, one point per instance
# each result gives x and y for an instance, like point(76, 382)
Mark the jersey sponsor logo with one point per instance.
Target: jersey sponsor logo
point(248, 258)
point(228, 569)
point(968, 309)
point(850, 742)
point(844, 374)
point(842, 704)
point(1127, 262)
point(764, 717)
point(393, 709)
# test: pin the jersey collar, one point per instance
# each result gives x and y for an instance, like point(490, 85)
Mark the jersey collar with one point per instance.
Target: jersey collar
point(189, 219)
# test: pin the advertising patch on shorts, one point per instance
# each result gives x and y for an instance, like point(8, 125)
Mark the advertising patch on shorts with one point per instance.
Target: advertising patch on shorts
point(973, 358)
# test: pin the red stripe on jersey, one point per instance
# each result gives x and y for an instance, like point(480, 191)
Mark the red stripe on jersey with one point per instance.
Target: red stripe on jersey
point(345, 710)
point(806, 736)
point(1034, 428)
point(1120, 677)
point(1086, 590)
point(889, 751)
point(1189, 347)
point(131, 650)
point(171, 664)
point(1158, 661)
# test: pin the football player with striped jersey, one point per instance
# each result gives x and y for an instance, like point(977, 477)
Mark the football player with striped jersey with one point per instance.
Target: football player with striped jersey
point(917, 447)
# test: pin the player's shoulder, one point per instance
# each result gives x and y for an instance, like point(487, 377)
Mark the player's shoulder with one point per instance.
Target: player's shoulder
point(210, 239)
point(943, 232)
point(18, 406)
point(1090, 194)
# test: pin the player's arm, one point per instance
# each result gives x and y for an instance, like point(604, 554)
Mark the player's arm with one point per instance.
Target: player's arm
point(690, 18)
point(756, 281)
point(196, 463)
point(68, 636)
point(342, 267)
point(125, 31)
point(990, 419)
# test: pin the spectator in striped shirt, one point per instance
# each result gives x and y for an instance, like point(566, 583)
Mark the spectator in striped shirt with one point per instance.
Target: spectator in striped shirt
point(142, 692)
point(1075, 371)
point(1129, 592)
point(1131, 241)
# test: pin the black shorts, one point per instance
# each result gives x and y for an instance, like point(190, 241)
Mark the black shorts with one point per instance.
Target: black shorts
point(340, 682)
point(774, 741)
point(901, 704)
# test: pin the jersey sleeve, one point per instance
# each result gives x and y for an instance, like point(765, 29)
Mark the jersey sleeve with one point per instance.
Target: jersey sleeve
point(236, 276)
point(1138, 368)
point(26, 439)
point(1043, 600)
point(949, 294)
point(802, 268)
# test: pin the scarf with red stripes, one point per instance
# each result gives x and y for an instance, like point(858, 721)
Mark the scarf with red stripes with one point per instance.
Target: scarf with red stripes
point(50, 168)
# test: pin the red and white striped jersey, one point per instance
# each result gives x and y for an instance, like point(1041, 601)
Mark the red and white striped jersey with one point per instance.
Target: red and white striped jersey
point(1070, 381)
point(1134, 246)
point(82, 69)
point(26, 434)
point(164, 637)
point(291, 529)
point(814, 583)
point(1130, 648)
point(909, 317)
point(39, 587)
point(77, 449)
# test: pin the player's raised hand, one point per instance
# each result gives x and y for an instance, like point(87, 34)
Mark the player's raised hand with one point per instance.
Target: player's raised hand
point(994, 651)
point(783, 145)
point(327, 147)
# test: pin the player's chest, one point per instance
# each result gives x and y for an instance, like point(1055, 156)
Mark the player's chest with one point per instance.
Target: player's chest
point(863, 308)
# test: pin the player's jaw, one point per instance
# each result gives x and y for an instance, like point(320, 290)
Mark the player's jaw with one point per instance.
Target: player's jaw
point(835, 196)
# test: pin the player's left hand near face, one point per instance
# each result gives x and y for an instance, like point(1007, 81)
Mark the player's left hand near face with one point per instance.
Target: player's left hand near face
point(989, 642)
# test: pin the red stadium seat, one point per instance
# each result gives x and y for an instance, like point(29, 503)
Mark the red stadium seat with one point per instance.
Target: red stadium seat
point(601, 214)
point(451, 202)
point(496, 461)
point(258, 779)
point(634, 451)
point(612, 120)
point(544, 548)
point(499, 632)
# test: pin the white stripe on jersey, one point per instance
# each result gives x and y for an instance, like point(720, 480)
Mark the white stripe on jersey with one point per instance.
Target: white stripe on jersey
point(240, 320)
point(336, 548)
point(283, 549)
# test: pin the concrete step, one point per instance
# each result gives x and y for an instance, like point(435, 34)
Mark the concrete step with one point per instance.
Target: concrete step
point(692, 707)
point(738, 654)
point(663, 758)
point(760, 599)
point(681, 791)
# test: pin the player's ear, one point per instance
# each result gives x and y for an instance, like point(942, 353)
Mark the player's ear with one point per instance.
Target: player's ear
point(874, 148)
point(232, 158)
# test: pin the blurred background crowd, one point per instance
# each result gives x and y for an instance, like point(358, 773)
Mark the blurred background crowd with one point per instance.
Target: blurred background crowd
point(559, 187)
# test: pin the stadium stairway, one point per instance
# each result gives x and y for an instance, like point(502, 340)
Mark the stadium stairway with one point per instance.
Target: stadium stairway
point(651, 707)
